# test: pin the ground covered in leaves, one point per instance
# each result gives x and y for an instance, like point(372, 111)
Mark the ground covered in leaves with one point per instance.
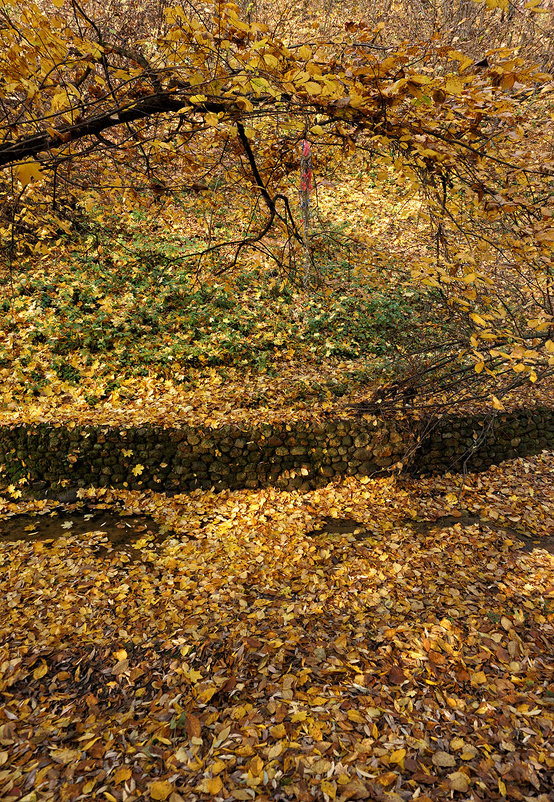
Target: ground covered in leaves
point(375, 639)
point(114, 324)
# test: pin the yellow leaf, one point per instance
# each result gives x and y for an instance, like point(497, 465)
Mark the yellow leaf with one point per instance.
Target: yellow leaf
point(181, 755)
point(275, 751)
point(388, 778)
point(312, 88)
point(58, 3)
point(458, 781)
point(160, 789)
point(497, 404)
point(478, 319)
point(547, 235)
point(479, 367)
point(40, 670)
point(244, 104)
point(278, 731)
point(419, 79)
point(137, 470)
point(502, 787)
point(457, 743)
point(479, 678)
point(454, 85)
point(463, 60)
point(212, 785)
point(398, 757)
point(211, 118)
point(305, 52)
point(538, 324)
point(328, 788)
point(256, 765)
point(65, 756)
point(122, 774)
point(30, 171)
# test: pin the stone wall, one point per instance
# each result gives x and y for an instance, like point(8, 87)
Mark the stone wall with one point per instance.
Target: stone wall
point(298, 455)
point(478, 441)
point(288, 455)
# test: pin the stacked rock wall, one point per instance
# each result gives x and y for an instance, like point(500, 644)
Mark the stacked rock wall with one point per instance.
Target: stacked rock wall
point(475, 442)
point(294, 455)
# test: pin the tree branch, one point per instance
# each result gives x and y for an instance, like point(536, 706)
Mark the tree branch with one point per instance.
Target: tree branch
point(157, 103)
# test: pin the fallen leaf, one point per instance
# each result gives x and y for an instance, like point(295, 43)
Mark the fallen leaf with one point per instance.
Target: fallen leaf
point(458, 781)
point(443, 759)
point(160, 789)
point(122, 775)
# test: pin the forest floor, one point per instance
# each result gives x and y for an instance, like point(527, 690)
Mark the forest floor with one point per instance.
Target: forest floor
point(378, 639)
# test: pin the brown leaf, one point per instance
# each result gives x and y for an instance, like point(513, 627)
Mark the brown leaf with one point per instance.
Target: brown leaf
point(426, 779)
point(193, 726)
point(396, 676)
point(355, 789)
point(443, 759)
point(437, 658)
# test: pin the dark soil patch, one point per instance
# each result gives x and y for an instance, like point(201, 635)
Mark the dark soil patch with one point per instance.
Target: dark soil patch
point(349, 526)
point(120, 529)
point(424, 526)
point(341, 526)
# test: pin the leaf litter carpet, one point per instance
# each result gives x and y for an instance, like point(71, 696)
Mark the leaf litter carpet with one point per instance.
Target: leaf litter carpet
point(374, 639)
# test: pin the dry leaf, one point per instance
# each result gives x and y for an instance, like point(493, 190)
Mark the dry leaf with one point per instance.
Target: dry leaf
point(122, 775)
point(160, 789)
point(458, 781)
point(443, 759)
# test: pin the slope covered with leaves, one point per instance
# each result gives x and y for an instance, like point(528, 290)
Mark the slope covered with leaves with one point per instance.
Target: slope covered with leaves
point(113, 323)
point(370, 640)
point(115, 320)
